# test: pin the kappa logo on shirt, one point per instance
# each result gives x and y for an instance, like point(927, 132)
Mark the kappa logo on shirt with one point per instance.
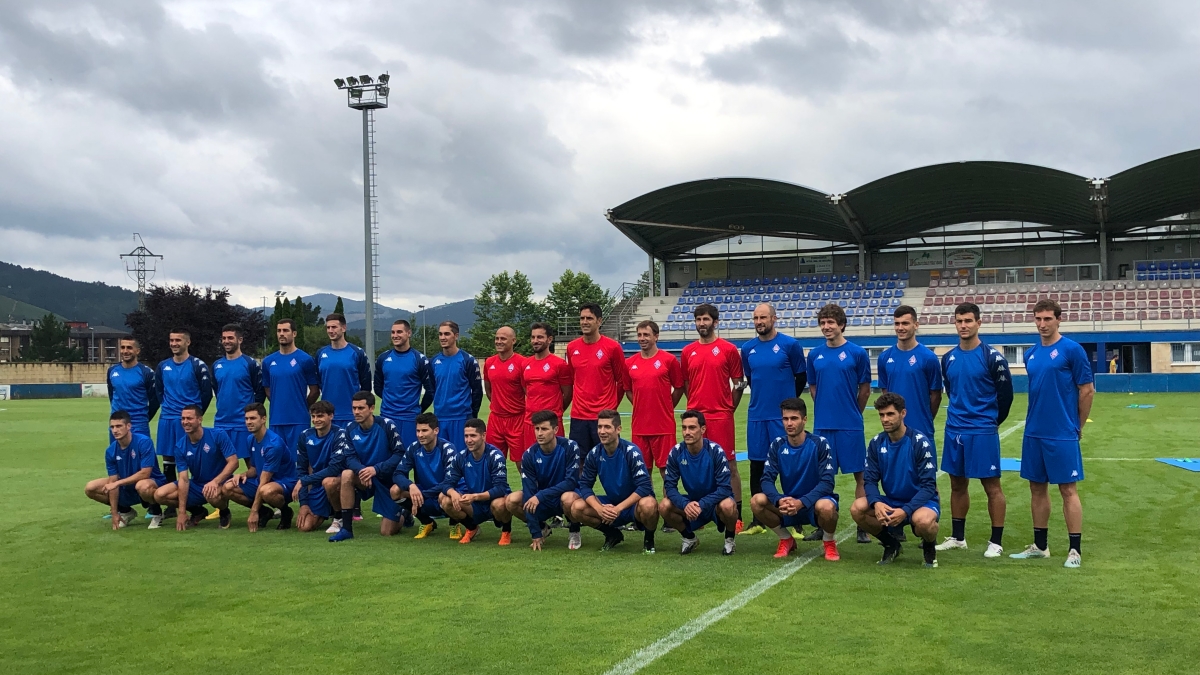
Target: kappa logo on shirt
point(116, 374)
point(357, 437)
point(693, 352)
point(118, 458)
point(928, 456)
point(639, 473)
point(311, 442)
point(1054, 355)
point(993, 467)
point(786, 451)
point(820, 356)
point(189, 453)
point(166, 367)
point(928, 465)
point(912, 360)
point(752, 351)
point(891, 360)
point(684, 462)
point(634, 367)
point(883, 451)
point(323, 355)
point(437, 362)
point(829, 467)
point(219, 366)
point(492, 367)
point(1074, 474)
point(539, 460)
point(575, 353)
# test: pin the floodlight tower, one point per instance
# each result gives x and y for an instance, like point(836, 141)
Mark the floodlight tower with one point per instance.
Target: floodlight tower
point(138, 269)
point(366, 94)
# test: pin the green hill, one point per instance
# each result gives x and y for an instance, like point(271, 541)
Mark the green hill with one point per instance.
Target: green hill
point(16, 311)
point(94, 302)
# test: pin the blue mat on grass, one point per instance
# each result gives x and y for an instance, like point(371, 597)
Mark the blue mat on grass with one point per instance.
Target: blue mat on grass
point(1184, 463)
point(1010, 464)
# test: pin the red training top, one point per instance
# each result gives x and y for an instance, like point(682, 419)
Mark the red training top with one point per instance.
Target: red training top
point(651, 380)
point(600, 376)
point(504, 377)
point(543, 381)
point(708, 369)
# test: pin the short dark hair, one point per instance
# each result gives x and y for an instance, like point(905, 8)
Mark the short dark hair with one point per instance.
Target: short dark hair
point(593, 308)
point(180, 331)
point(795, 404)
point(256, 407)
point(336, 316)
point(120, 415)
point(542, 326)
point(452, 325)
point(648, 324)
point(289, 321)
point(234, 328)
point(706, 309)
point(833, 311)
point(544, 416)
point(130, 338)
point(476, 424)
point(905, 310)
point(890, 399)
point(690, 414)
point(364, 396)
point(1048, 305)
point(610, 414)
point(428, 419)
point(322, 407)
point(967, 308)
point(194, 408)
point(402, 322)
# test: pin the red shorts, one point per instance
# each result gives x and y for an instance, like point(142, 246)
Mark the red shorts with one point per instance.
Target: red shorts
point(719, 430)
point(508, 432)
point(655, 448)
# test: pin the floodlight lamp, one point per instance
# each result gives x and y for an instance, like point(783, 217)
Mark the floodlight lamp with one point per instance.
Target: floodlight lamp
point(356, 93)
point(383, 91)
point(365, 79)
point(339, 82)
point(384, 78)
point(352, 80)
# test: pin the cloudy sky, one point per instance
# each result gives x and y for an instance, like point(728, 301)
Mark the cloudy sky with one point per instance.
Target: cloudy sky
point(214, 128)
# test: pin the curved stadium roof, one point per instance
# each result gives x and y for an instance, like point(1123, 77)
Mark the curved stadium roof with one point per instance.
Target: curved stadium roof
point(672, 220)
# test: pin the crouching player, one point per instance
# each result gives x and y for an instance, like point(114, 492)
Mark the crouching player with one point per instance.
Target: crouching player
point(476, 485)
point(365, 464)
point(270, 483)
point(629, 494)
point(314, 455)
point(905, 462)
point(426, 460)
point(204, 458)
point(549, 471)
point(133, 473)
point(803, 464)
point(702, 467)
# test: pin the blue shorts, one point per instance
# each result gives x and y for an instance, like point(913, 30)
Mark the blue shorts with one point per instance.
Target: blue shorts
point(128, 496)
point(317, 501)
point(170, 430)
point(452, 431)
point(408, 431)
point(707, 516)
point(250, 488)
point(195, 495)
point(849, 449)
point(290, 433)
point(971, 455)
point(481, 512)
point(380, 494)
point(240, 439)
point(807, 516)
point(1045, 460)
point(759, 436)
point(546, 510)
point(627, 516)
point(931, 504)
point(584, 433)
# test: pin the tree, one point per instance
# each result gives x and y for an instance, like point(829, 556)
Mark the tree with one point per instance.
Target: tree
point(201, 314)
point(50, 340)
point(504, 300)
point(643, 287)
point(338, 308)
point(570, 291)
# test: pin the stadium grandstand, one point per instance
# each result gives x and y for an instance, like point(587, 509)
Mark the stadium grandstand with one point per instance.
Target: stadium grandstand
point(1120, 254)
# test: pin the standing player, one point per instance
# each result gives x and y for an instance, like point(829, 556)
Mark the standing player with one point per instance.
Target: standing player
point(502, 383)
point(775, 371)
point(342, 370)
point(314, 455)
point(427, 461)
point(1061, 389)
point(364, 468)
point(132, 387)
point(459, 389)
point(477, 484)
point(549, 474)
point(206, 459)
point(702, 466)
point(237, 382)
point(628, 493)
point(268, 485)
point(290, 379)
point(182, 380)
point(655, 387)
point(403, 382)
point(600, 378)
point(904, 461)
point(980, 390)
point(547, 381)
point(710, 364)
point(133, 474)
point(839, 378)
point(803, 464)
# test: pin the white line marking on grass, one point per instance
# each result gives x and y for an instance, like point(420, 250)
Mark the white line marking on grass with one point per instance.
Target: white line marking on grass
point(664, 645)
point(1009, 431)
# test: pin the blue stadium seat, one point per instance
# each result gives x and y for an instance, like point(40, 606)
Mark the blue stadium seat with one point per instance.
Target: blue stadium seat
point(853, 277)
point(874, 277)
point(904, 276)
point(901, 284)
point(1141, 267)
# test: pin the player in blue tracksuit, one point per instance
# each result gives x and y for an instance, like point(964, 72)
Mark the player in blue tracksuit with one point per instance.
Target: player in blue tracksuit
point(269, 483)
point(132, 387)
point(803, 465)
point(628, 493)
point(708, 496)
point(979, 385)
point(205, 459)
point(404, 382)
point(549, 475)
point(237, 382)
point(1061, 389)
point(182, 380)
point(427, 460)
point(314, 453)
point(343, 369)
point(290, 379)
point(365, 467)
point(775, 370)
point(133, 474)
point(476, 485)
point(903, 462)
point(458, 393)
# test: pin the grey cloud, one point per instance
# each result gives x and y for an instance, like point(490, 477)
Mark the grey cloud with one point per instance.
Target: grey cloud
point(808, 64)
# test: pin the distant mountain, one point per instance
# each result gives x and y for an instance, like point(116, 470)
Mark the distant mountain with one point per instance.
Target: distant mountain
point(96, 303)
point(462, 312)
point(15, 311)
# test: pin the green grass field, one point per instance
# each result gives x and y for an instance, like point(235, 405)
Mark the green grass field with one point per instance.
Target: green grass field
point(78, 597)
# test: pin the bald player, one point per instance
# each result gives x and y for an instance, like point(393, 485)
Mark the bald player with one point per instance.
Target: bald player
point(502, 374)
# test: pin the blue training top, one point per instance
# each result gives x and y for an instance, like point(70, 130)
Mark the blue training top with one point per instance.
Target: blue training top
point(1055, 374)
point(912, 374)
